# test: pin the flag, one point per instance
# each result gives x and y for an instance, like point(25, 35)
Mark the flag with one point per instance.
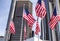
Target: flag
point(24, 32)
point(28, 17)
point(54, 19)
point(12, 27)
point(37, 30)
point(40, 9)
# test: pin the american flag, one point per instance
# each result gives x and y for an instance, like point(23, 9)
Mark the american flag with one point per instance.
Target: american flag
point(28, 17)
point(40, 9)
point(54, 19)
point(24, 32)
point(12, 27)
point(37, 28)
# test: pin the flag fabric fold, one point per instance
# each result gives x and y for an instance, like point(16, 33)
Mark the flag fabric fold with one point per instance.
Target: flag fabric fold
point(28, 17)
point(12, 27)
point(54, 19)
point(37, 29)
point(40, 9)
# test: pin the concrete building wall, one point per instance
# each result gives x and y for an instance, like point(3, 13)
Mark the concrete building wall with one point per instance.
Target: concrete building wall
point(59, 5)
point(56, 31)
point(16, 15)
point(1, 38)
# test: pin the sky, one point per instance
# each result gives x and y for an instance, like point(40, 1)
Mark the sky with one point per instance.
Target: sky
point(4, 12)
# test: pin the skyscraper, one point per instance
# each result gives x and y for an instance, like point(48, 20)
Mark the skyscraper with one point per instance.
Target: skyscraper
point(16, 12)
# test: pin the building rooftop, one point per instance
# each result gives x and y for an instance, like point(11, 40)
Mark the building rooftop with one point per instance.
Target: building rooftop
point(1, 36)
point(22, 0)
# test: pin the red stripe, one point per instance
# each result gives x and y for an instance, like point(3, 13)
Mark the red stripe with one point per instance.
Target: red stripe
point(40, 10)
point(53, 21)
point(37, 28)
point(29, 18)
point(12, 28)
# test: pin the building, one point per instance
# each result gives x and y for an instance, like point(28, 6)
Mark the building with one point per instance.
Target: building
point(16, 15)
point(51, 35)
point(1, 38)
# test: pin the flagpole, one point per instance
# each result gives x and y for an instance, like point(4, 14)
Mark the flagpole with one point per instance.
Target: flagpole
point(22, 25)
point(42, 28)
point(38, 33)
point(26, 27)
point(42, 25)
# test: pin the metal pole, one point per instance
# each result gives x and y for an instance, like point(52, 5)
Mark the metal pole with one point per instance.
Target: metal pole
point(21, 30)
point(41, 31)
point(26, 30)
point(53, 31)
point(43, 28)
point(55, 36)
point(11, 14)
point(38, 33)
point(57, 6)
point(48, 32)
point(58, 12)
point(22, 24)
